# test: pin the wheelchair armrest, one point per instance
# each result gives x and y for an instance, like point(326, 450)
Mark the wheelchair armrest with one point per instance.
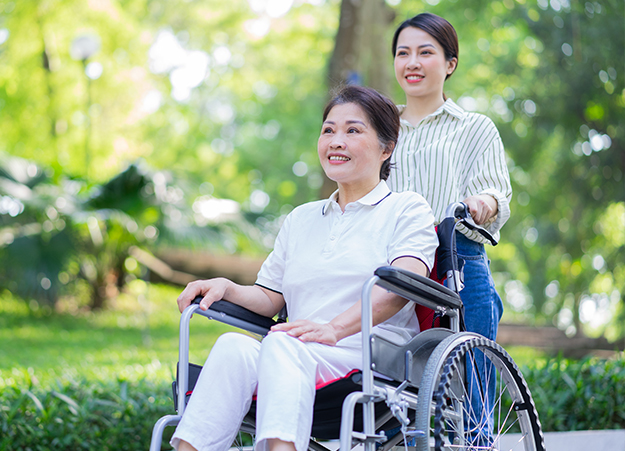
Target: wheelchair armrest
point(423, 291)
point(235, 315)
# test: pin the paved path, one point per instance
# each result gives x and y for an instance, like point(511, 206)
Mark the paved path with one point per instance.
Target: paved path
point(582, 441)
point(611, 440)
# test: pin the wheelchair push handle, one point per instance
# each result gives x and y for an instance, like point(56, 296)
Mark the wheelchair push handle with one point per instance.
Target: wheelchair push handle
point(460, 211)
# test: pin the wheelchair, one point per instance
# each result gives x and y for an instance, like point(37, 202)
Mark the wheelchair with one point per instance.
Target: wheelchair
point(430, 393)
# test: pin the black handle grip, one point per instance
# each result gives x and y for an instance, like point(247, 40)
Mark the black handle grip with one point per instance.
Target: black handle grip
point(461, 212)
point(197, 299)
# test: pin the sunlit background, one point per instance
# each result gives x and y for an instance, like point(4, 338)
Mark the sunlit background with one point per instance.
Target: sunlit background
point(164, 125)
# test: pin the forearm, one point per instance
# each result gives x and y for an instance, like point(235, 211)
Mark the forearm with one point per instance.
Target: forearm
point(384, 305)
point(254, 298)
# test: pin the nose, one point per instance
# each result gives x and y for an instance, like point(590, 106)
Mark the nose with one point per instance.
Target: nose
point(337, 142)
point(413, 62)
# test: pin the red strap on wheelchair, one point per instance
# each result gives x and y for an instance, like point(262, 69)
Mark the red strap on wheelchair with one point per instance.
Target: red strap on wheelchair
point(323, 384)
point(426, 315)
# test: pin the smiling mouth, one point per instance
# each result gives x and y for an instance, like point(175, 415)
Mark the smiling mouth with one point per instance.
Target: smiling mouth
point(338, 158)
point(414, 77)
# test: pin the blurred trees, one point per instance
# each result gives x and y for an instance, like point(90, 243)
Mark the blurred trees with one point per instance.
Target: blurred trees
point(227, 98)
point(59, 237)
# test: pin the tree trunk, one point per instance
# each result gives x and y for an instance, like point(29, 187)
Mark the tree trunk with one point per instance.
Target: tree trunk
point(361, 52)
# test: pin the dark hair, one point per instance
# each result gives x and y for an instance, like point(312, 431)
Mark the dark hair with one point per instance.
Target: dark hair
point(437, 27)
point(381, 112)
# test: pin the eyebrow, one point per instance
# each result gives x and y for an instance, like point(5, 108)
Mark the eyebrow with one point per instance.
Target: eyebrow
point(420, 47)
point(353, 121)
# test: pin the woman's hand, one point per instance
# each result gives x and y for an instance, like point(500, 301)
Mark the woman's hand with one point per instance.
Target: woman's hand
point(482, 207)
point(212, 290)
point(308, 331)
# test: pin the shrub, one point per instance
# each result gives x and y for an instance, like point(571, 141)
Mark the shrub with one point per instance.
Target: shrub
point(579, 395)
point(71, 413)
point(81, 414)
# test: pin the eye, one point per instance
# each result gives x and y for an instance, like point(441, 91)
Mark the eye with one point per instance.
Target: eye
point(426, 52)
point(401, 53)
point(327, 130)
point(353, 130)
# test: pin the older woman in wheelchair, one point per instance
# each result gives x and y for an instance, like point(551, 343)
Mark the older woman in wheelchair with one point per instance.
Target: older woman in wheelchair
point(346, 269)
point(323, 254)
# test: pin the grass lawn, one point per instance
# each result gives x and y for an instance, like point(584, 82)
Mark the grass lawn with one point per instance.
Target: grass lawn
point(138, 338)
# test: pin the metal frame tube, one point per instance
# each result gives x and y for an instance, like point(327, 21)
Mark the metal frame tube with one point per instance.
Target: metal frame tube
point(159, 427)
point(367, 372)
point(183, 357)
point(183, 380)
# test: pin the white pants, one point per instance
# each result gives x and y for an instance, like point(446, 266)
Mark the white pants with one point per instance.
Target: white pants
point(282, 371)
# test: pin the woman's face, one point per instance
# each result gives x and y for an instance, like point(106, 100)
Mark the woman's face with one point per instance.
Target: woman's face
point(420, 64)
point(349, 149)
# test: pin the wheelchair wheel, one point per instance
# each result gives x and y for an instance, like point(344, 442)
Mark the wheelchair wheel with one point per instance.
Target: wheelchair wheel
point(246, 437)
point(454, 409)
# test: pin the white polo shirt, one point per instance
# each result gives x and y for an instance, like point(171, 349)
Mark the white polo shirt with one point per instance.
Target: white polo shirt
point(323, 256)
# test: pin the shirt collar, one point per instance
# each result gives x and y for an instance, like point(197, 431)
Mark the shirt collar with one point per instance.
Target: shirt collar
point(450, 107)
point(372, 198)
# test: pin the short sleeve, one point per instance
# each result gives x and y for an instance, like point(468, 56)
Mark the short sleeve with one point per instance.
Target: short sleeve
point(414, 234)
point(271, 272)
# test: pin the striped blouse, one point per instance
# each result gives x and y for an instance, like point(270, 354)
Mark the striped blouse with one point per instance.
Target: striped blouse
point(451, 155)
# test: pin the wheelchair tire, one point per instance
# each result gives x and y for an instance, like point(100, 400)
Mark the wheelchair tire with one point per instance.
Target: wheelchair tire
point(450, 408)
point(246, 437)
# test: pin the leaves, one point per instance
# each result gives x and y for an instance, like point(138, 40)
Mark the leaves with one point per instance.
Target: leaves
point(84, 415)
point(548, 74)
point(579, 395)
point(65, 234)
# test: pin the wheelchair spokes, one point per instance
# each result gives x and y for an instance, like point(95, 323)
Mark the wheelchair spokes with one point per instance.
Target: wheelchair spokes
point(469, 413)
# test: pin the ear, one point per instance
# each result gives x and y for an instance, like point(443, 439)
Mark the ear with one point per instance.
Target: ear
point(451, 66)
point(388, 150)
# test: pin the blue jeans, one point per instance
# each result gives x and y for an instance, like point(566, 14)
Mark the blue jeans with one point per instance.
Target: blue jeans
point(482, 311)
point(482, 305)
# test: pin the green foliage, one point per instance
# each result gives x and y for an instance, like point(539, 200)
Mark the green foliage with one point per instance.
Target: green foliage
point(579, 395)
point(549, 73)
point(551, 77)
point(80, 414)
point(57, 233)
point(237, 131)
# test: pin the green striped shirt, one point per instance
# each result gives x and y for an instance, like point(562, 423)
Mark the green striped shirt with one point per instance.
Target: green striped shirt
point(453, 154)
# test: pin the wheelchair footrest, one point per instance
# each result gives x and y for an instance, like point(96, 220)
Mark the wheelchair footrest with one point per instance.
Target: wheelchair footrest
point(364, 438)
point(415, 433)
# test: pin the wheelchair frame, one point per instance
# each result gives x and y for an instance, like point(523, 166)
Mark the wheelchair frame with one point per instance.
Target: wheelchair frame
point(435, 362)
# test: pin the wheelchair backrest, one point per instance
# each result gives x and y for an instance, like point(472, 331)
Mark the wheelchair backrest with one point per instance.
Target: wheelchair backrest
point(445, 265)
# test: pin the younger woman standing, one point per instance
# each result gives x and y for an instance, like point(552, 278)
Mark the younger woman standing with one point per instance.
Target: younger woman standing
point(449, 155)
